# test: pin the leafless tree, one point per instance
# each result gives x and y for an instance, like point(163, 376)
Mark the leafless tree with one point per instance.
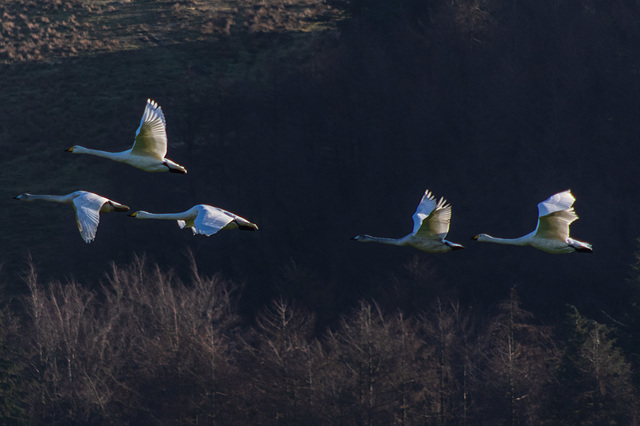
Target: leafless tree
point(449, 334)
point(283, 360)
point(517, 362)
point(145, 345)
point(371, 369)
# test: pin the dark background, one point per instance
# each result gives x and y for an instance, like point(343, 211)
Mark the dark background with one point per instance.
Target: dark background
point(318, 130)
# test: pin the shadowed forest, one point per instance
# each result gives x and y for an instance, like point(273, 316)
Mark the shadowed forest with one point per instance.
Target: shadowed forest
point(320, 120)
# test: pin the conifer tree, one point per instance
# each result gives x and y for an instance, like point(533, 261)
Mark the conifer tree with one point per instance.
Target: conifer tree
point(593, 378)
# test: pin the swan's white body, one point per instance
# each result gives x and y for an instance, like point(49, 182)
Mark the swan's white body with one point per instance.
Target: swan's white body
point(87, 205)
point(149, 148)
point(202, 219)
point(555, 214)
point(430, 227)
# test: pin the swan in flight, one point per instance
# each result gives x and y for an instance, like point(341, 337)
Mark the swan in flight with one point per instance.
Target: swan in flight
point(430, 227)
point(202, 219)
point(555, 214)
point(87, 205)
point(149, 148)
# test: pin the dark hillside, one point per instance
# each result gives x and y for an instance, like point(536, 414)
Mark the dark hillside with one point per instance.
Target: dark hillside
point(318, 134)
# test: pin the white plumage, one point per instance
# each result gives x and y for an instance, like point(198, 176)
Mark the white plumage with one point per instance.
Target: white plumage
point(149, 148)
point(202, 219)
point(87, 205)
point(430, 227)
point(555, 215)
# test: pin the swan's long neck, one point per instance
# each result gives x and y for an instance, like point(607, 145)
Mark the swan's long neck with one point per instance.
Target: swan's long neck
point(55, 198)
point(164, 216)
point(382, 240)
point(116, 156)
point(522, 241)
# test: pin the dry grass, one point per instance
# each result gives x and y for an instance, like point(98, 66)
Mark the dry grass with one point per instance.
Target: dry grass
point(43, 30)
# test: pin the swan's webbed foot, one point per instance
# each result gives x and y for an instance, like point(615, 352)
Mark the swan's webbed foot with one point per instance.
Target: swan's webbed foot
point(584, 249)
point(179, 171)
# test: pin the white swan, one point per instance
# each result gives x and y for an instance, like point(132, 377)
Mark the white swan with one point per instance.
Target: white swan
point(430, 227)
point(555, 214)
point(202, 219)
point(149, 148)
point(87, 205)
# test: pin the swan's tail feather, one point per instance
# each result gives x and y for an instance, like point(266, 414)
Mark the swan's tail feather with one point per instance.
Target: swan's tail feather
point(174, 167)
point(121, 208)
point(580, 246)
point(115, 207)
point(248, 226)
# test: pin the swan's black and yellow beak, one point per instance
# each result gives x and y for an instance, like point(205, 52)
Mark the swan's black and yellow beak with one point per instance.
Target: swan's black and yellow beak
point(475, 238)
point(70, 149)
point(134, 214)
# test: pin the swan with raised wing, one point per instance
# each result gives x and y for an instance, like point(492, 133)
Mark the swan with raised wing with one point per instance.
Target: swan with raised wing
point(149, 147)
point(555, 215)
point(430, 227)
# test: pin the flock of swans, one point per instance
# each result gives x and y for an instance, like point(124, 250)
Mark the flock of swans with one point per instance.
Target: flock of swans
point(148, 153)
point(431, 220)
point(431, 225)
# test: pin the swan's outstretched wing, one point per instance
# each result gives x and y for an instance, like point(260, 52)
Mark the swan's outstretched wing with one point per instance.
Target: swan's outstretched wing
point(556, 225)
point(211, 219)
point(151, 136)
point(560, 201)
point(87, 206)
point(432, 219)
point(555, 214)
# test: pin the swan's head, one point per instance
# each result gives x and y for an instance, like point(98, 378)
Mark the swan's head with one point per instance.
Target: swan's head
point(362, 238)
point(481, 237)
point(24, 196)
point(77, 149)
point(141, 214)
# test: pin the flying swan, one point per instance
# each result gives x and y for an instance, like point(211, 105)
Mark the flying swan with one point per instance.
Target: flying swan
point(149, 148)
point(87, 205)
point(202, 219)
point(430, 227)
point(555, 214)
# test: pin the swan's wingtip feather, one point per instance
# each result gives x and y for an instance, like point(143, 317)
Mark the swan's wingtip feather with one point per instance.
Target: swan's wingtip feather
point(87, 237)
point(560, 201)
point(442, 204)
